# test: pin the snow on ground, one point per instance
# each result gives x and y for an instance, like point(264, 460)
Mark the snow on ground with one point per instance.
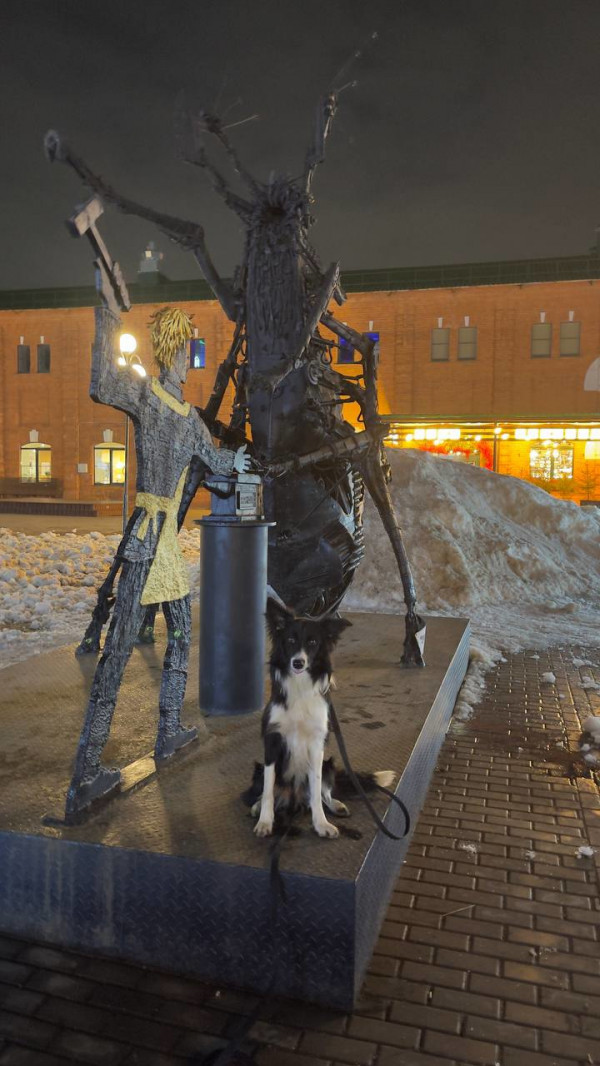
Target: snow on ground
point(523, 566)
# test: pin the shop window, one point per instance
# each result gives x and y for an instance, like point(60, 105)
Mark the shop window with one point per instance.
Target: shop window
point(570, 337)
point(440, 345)
point(197, 353)
point(550, 464)
point(467, 342)
point(109, 464)
point(345, 351)
point(23, 358)
point(43, 358)
point(541, 340)
point(35, 462)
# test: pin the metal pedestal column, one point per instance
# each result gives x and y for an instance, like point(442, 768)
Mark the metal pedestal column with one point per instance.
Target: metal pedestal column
point(233, 592)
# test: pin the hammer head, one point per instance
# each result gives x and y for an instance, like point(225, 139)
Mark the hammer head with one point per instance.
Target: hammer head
point(85, 217)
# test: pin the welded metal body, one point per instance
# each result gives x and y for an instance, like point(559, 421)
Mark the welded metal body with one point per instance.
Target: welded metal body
point(287, 394)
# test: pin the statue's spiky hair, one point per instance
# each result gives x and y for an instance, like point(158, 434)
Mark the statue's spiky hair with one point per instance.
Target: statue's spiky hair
point(170, 329)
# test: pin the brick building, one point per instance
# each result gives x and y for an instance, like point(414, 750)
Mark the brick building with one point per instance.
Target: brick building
point(484, 363)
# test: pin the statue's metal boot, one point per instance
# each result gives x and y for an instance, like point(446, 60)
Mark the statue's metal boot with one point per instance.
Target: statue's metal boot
point(171, 734)
point(99, 783)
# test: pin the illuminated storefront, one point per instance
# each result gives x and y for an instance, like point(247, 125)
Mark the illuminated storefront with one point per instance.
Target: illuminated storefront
point(562, 457)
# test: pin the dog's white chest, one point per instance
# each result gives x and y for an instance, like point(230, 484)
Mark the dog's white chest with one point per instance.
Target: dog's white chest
point(303, 724)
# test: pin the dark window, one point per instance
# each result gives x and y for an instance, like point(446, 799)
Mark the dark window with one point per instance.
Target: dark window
point(375, 338)
point(541, 340)
point(570, 336)
point(23, 359)
point(467, 342)
point(197, 353)
point(43, 358)
point(345, 351)
point(440, 345)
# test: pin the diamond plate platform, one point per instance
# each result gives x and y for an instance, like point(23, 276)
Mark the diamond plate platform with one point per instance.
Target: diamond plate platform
point(170, 874)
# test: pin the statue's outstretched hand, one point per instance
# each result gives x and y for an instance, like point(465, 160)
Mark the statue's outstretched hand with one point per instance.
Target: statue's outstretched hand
point(242, 462)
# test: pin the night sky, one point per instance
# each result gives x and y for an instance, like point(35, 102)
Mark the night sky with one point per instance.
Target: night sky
point(473, 132)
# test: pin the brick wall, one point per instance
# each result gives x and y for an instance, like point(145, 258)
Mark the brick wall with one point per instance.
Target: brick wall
point(502, 382)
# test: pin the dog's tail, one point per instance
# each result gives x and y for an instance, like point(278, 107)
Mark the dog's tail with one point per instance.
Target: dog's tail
point(340, 781)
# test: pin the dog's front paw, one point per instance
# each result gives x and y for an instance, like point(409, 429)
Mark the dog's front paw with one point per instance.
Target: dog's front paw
point(326, 829)
point(340, 809)
point(263, 828)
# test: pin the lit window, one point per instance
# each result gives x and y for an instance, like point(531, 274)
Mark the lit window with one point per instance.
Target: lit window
point(345, 351)
point(35, 462)
point(541, 340)
point(467, 342)
point(43, 358)
point(440, 345)
point(549, 464)
point(570, 337)
point(197, 353)
point(23, 359)
point(109, 464)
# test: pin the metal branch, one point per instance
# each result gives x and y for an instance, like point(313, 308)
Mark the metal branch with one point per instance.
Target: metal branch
point(213, 125)
point(190, 235)
point(219, 183)
point(316, 153)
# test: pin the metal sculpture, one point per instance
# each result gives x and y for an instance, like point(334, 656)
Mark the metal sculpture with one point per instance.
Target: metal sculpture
point(286, 389)
point(172, 446)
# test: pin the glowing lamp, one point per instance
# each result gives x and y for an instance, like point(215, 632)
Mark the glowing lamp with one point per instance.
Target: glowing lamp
point(504, 436)
point(497, 430)
point(127, 344)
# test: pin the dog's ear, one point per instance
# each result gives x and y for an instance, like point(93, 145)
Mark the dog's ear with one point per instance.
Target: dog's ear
point(278, 616)
point(334, 627)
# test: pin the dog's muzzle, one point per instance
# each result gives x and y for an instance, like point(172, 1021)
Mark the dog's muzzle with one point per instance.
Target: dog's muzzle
point(299, 663)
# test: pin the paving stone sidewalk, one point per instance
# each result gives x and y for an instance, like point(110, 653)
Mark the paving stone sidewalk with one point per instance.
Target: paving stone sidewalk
point(489, 953)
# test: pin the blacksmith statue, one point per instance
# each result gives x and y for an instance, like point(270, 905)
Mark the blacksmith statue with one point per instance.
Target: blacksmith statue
point(173, 451)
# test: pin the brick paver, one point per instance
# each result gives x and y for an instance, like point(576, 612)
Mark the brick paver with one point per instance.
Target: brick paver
point(488, 955)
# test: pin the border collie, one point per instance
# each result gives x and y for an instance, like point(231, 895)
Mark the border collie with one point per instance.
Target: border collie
point(295, 721)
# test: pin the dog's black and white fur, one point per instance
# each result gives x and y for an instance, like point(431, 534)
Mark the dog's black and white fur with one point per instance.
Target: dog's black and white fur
point(295, 721)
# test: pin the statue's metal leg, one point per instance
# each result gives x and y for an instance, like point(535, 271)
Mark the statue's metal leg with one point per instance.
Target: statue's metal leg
point(90, 643)
point(171, 734)
point(376, 483)
point(90, 779)
point(146, 633)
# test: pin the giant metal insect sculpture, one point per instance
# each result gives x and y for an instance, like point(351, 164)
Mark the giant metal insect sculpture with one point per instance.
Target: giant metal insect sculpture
point(287, 394)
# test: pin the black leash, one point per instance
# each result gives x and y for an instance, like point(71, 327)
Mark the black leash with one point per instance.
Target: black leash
point(231, 1055)
point(335, 725)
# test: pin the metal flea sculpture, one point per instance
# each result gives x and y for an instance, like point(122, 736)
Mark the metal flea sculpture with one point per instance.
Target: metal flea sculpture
point(287, 393)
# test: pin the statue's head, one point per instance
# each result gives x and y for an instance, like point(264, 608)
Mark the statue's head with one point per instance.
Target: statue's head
point(170, 331)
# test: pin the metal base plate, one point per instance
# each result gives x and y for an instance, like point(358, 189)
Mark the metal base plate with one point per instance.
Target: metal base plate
point(169, 873)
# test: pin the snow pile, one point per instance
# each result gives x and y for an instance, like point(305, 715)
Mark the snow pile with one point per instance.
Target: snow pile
point(523, 566)
point(475, 538)
point(48, 586)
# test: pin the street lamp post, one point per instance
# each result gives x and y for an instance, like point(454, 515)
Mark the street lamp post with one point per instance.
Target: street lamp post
point(128, 357)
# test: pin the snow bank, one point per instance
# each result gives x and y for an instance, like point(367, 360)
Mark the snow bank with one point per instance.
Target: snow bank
point(48, 586)
point(523, 566)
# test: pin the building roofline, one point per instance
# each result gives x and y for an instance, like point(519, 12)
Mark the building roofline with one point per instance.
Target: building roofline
point(452, 275)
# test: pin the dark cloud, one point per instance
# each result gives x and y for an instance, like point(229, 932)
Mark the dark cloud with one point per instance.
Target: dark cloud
point(472, 132)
